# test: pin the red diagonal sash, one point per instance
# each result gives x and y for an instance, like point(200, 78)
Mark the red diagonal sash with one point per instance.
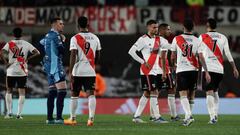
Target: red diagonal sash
point(152, 58)
point(210, 44)
point(192, 59)
point(20, 59)
point(90, 55)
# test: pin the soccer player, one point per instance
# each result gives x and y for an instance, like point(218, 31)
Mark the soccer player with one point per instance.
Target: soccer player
point(53, 44)
point(215, 44)
point(165, 31)
point(15, 56)
point(149, 45)
point(186, 46)
point(85, 52)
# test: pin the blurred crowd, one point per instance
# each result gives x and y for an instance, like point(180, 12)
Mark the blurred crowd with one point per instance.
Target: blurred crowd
point(119, 2)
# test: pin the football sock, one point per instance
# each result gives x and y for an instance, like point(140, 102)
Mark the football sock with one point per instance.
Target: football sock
point(172, 105)
point(20, 104)
point(91, 106)
point(50, 102)
point(60, 102)
point(73, 107)
point(191, 102)
point(210, 106)
point(186, 106)
point(9, 102)
point(141, 105)
point(216, 103)
point(154, 106)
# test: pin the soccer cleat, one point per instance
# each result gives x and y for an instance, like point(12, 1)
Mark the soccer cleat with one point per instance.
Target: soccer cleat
point(138, 120)
point(177, 118)
point(19, 117)
point(160, 120)
point(90, 123)
point(188, 122)
point(70, 121)
point(9, 116)
point(152, 118)
point(50, 122)
point(212, 121)
point(59, 121)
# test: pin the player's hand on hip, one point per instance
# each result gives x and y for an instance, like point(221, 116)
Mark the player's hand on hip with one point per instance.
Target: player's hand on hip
point(208, 77)
point(236, 73)
point(147, 65)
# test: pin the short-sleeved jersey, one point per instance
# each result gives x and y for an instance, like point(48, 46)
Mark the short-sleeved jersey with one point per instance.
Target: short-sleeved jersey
point(18, 51)
point(186, 46)
point(86, 43)
point(53, 47)
point(215, 44)
point(145, 45)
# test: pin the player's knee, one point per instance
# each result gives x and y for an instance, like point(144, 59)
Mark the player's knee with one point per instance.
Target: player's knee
point(146, 94)
point(89, 92)
point(74, 93)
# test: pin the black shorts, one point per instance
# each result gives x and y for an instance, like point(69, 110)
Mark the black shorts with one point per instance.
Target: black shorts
point(165, 85)
point(83, 83)
point(187, 80)
point(216, 78)
point(16, 81)
point(149, 82)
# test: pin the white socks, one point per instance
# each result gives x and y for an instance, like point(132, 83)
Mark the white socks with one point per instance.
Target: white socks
point(186, 106)
point(210, 106)
point(73, 107)
point(154, 106)
point(172, 105)
point(91, 106)
point(191, 103)
point(216, 102)
point(20, 104)
point(9, 102)
point(141, 105)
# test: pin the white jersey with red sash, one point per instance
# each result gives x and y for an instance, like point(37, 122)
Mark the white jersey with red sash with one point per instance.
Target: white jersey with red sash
point(215, 44)
point(186, 46)
point(86, 43)
point(146, 45)
point(17, 54)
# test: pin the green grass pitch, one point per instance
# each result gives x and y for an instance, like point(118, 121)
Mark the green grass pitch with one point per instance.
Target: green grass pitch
point(120, 125)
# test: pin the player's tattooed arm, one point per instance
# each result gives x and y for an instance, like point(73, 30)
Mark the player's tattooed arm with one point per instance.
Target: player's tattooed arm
point(72, 62)
point(202, 60)
point(163, 61)
point(35, 53)
point(97, 58)
point(173, 59)
point(235, 71)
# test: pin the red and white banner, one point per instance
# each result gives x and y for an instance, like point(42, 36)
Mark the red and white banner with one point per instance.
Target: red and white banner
point(122, 106)
point(110, 20)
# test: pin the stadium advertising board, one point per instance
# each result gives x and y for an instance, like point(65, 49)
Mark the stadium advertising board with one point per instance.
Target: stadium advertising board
point(103, 20)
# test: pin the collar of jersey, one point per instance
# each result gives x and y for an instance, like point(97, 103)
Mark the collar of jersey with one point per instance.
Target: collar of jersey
point(187, 34)
point(54, 30)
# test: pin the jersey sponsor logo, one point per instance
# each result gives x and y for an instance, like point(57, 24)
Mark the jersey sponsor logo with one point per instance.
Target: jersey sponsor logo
point(86, 48)
point(18, 54)
point(152, 57)
point(213, 46)
point(187, 51)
